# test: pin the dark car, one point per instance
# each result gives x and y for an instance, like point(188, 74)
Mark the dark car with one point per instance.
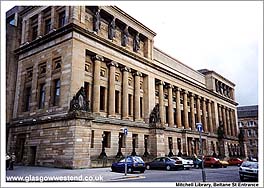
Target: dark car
point(134, 163)
point(164, 163)
point(235, 161)
point(197, 163)
point(249, 170)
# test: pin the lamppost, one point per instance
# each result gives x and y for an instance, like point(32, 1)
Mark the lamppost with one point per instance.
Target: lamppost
point(134, 146)
point(146, 147)
point(179, 146)
point(103, 154)
point(119, 153)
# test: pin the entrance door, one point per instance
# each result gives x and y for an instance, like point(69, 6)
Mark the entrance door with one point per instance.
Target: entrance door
point(32, 157)
point(20, 147)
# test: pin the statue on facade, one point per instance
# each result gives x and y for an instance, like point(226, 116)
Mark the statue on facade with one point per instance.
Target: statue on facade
point(111, 29)
point(154, 117)
point(136, 43)
point(79, 102)
point(125, 37)
point(97, 21)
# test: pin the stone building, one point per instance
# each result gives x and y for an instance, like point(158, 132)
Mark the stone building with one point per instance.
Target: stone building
point(248, 126)
point(84, 73)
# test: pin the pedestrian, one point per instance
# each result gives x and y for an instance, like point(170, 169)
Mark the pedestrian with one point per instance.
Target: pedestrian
point(13, 159)
point(8, 158)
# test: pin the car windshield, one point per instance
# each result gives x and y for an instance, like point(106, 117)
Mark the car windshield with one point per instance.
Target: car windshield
point(123, 160)
point(138, 159)
point(250, 165)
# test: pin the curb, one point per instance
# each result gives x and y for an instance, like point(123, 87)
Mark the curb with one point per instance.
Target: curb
point(127, 177)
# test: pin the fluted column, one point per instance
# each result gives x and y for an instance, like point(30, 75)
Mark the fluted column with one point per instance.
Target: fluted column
point(210, 116)
point(220, 113)
point(192, 111)
point(228, 122)
point(125, 93)
point(111, 102)
point(232, 123)
point(161, 103)
point(170, 106)
point(224, 120)
point(96, 83)
point(185, 110)
point(235, 123)
point(178, 107)
point(198, 109)
point(204, 115)
point(137, 96)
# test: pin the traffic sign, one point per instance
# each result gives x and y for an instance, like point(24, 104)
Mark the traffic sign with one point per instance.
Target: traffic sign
point(199, 127)
point(125, 131)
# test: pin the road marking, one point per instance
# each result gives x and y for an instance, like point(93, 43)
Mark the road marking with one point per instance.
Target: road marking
point(127, 178)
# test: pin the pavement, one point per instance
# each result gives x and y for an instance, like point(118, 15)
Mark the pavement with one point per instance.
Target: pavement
point(34, 173)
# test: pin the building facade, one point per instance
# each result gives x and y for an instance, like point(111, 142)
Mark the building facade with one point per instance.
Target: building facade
point(248, 127)
point(84, 73)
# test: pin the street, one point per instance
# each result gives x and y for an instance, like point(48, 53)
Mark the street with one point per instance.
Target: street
point(229, 174)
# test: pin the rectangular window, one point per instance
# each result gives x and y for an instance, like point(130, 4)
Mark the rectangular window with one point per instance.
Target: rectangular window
point(175, 116)
point(34, 32)
point(102, 98)
point(41, 96)
point(56, 99)
point(107, 139)
point(34, 27)
point(135, 140)
point(92, 139)
point(47, 25)
point(27, 99)
point(117, 93)
point(167, 114)
point(86, 89)
point(130, 105)
point(122, 139)
point(62, 20)
point(141, 107)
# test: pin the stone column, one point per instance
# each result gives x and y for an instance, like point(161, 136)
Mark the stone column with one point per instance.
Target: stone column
point(235, 122)
point(125, 93)
point(137, 96)
point(170, 106)
point(232, 123)
point(224, 120)
point(178, 107)
point(220, 113)
point(53, 18)
point(228, 122)
point(40, 24)
point(96, 83)
point(210, 116)
point(192, 112)
point(204, 115)
point(161, 103)
point(185, 110)
point(67, 14)
point(111, 102)
point(198, 109)
point(23, 33)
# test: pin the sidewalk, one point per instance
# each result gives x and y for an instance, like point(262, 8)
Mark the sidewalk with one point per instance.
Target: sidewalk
point(93, 174)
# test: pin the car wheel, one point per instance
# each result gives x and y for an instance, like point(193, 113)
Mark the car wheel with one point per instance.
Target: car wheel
point(225, 166)
point(212, 166)
point(242, 178)
point(142, 171)
point(168, 167)
point(129, 170)
point(113, 169)
point(148, 167)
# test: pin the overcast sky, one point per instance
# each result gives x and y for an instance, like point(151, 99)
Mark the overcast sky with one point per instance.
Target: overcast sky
point(221, 36)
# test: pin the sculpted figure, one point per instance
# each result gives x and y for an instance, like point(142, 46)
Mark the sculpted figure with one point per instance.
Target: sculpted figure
point(111, 30)
point(97, 21)
point(136, 44)
point(125, 37)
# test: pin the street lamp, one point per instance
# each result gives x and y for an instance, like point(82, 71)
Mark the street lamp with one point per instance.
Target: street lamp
point(146, 146)
point(119, 153)
point(179, 146)
point(170, 147)
point(103, 154)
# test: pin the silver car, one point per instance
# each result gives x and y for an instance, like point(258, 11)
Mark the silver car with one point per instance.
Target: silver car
point(249, 170)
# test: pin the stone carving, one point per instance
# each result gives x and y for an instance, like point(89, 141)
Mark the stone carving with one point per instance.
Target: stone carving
point(125, 37)
point(136, 43)
point(111, 30)
point(154, 118)
point(79, 102)
point(97, 21)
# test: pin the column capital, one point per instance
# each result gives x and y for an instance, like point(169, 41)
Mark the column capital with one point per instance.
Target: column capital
point(191, 94)
point(209, 101)
point(161, 82)
point(137, 73)
point(178, 89)
point(125, 69)
point(185, 92)
point(98, 58)
point(170, 86)
point(199, 97)
point(204, 99)
point(112, 63)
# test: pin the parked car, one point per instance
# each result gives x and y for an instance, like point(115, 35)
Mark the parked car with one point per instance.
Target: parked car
point(248, 170)
point(186, 162)
point(134, 163)
point(224, 163)
point(164, 163)
point(212, 162)
point(197, 163)
point(235, 161)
